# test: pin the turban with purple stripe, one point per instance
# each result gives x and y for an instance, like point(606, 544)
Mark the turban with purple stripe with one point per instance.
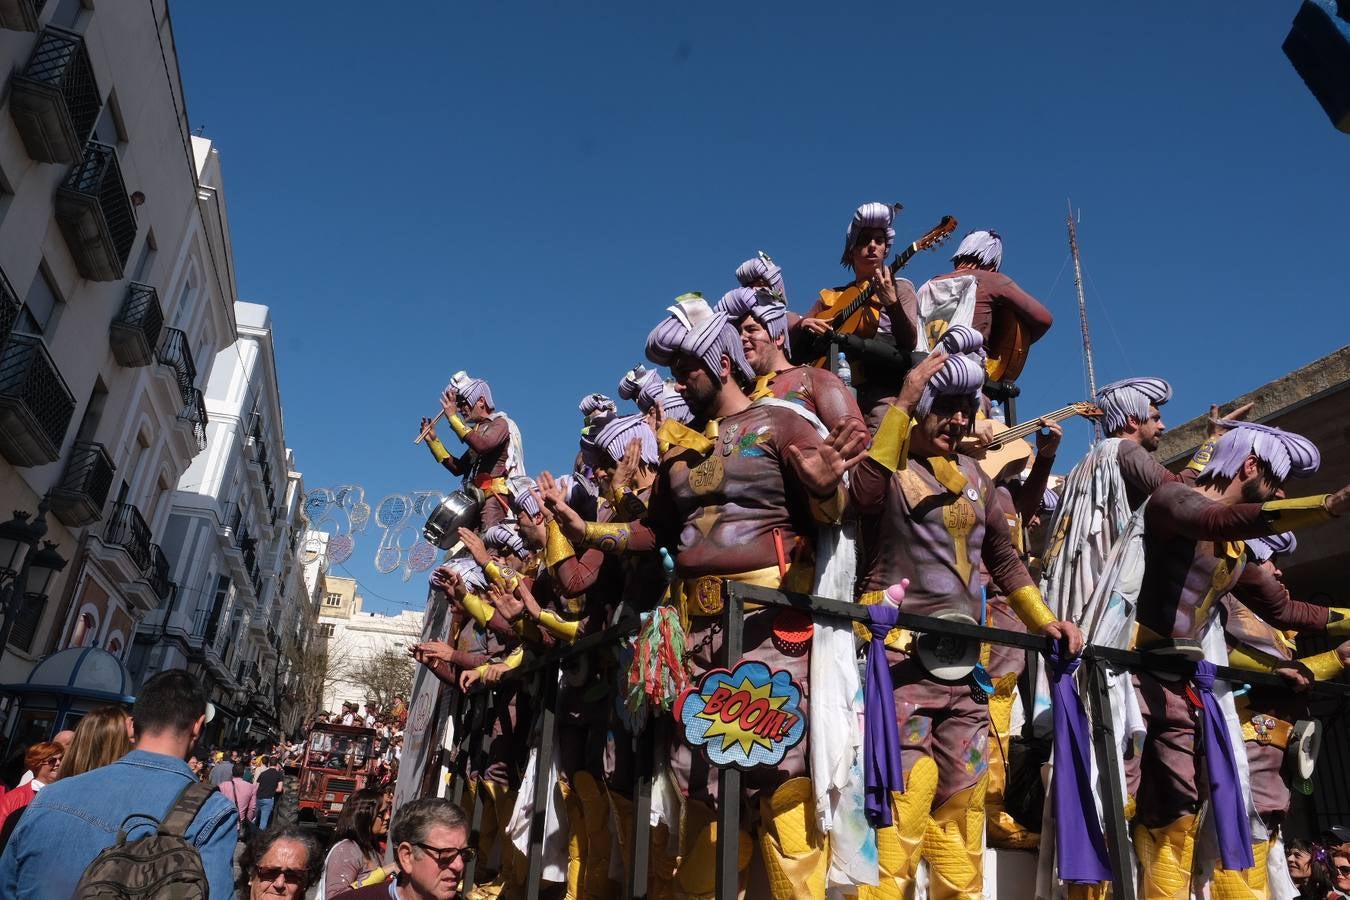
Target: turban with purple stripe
point(618, 432)
point(745, 301)
point(472, 389)
point(499, 537)
point(695, 329)
point(524, 496)
point(1285, 452)
point(1263, 548)
point(963, 372)
point(869, 215)
point(642, 386)
point(985, 248)
point(674, 407)
point(469, 571)
point(592, 404)
point(1130, 397)
point(1049, 501)
point(762, 270)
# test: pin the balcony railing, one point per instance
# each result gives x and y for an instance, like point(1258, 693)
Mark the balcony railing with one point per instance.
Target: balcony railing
point(55, 100)
point(95, 214)
point(78, 500)
point(126, 529)
point(195, 413)
point(134, 334)
point(158, 574)
point(174, 352)
point(10, 305)
point(19, 15)
point(35, 404)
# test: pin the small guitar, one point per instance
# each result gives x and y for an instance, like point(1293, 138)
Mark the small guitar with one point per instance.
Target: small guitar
point(856, 302)
point(1009, 447)
point(1008, 352)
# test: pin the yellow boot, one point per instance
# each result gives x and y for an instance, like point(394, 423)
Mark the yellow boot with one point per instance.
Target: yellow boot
point(953, 844)
point(1004, 830)
point(623, 812)
point(661, 866)
point(900, 845)
point(1165, 857)
point(489, 880)
point(1249, 884)
point(576, 840)
point(595, 814)
point(696, 876)
point(1099, 891)
point(795, 852)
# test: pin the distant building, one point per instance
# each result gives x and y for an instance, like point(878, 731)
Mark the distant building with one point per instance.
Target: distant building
point(354, 637)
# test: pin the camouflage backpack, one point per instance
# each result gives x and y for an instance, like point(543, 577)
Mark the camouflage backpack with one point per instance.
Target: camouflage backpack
point(160, 866)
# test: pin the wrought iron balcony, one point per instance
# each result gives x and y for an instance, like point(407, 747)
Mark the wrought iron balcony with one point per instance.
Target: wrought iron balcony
point(158, 573)
point(126, 529)
point(134, 334)
point(195, 413)
point(35, 404)
point(19, 15)
point(55, 99)
point(78, 500)
point(10, 305)
point(95, 214)
point(174, 352)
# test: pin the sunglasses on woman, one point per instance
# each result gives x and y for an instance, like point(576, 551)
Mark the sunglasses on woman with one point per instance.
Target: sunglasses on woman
point(272, 873)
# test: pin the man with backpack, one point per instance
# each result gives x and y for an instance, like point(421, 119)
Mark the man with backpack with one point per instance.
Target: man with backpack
point(141, 827)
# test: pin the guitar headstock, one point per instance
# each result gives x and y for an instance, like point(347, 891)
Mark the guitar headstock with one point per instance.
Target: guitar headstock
point(937, 235)
point(1088, 410)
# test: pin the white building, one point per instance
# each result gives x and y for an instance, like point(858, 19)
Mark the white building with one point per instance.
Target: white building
point(117, 290)
point(355, 637)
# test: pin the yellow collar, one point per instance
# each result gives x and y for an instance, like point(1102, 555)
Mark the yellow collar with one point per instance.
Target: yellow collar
point(948, 474)
point(677, 434)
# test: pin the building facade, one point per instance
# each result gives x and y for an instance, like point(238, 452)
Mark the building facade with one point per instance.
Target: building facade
point(354, 638)
point(117, 291)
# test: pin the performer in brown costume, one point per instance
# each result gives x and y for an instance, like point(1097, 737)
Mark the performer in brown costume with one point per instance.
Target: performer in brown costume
point(488, 436)
point(737, 499)
point(936, 519)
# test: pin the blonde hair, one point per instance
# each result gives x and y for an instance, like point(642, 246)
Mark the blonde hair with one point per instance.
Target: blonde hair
point(100, 739)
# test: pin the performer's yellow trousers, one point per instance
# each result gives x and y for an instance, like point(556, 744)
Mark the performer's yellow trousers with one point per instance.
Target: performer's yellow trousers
point(1004, 831)
point(900, 845)
point(795, 852)
point(594, 802)
point(1165, 857)
point(660, 865)
point(1249, 884)
point(696, 877)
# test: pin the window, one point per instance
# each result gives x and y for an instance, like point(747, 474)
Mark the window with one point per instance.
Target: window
point(326, 630)
point(110, 129)
point(332, 600)
point(40, 306)
point(25, 625)
point(141, 272)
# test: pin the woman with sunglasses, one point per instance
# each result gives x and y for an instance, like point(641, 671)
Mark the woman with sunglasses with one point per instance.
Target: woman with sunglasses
point(1340, 875)
point(282, 862)
point(361, 831)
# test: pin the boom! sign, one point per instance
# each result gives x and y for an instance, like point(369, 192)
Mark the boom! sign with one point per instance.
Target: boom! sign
point(745, 717)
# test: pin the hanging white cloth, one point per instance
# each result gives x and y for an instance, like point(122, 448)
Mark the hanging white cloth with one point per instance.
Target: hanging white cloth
point(944, 302)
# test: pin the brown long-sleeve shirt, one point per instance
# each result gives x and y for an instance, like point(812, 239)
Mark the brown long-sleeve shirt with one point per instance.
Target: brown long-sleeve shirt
point(996, 293)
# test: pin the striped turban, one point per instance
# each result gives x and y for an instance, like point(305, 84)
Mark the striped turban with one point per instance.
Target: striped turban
point(1285, 452)
point(1131, 397)
point(674, 407)
point(525, 496)
point(501, 538)
point(471, 389)
point(596, 404)
point(1263, 548)
point(642, 386)
point(869, 215)
point(618, 432)
point(984, 248)
point(745, 301)
point(963, 372)
point(695, 329)
point(762, 270)
point(469, 571)
point(1049, 501)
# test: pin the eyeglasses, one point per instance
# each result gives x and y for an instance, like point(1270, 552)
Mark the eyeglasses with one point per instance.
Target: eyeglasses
point(1343, 870)
point(272, 873)
point(445, 856)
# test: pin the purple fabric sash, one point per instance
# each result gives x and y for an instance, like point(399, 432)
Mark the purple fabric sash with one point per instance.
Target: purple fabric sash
point(884, 768)
point(1227, 803)
point(1080, 846)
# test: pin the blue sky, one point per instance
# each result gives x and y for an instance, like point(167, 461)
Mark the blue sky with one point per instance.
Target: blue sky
point(519, 190)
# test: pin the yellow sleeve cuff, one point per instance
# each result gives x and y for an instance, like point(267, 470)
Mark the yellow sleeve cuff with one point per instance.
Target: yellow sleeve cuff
point(611, 537)
point(1030, 608)
point(438, 450)
point(1324, 666)
point(557, 548)
point(1202, 455)
point(1297, 512)
point(478, 608)
point(504, 576)
point(1338, 622)
point(559, 626)
point(1249, 659)
point(829, 510)
point(890, 445)
point(458, 426)
point(514, 658)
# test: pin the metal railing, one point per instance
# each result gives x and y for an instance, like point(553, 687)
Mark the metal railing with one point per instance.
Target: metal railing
point(79, 498)
point(134, 334)
point(126, 529)
point(174, 352)
point(35, 404)
point(10, 305)
point(55, 100)
point(95, 214)
point(195, 413)
point(158, 573)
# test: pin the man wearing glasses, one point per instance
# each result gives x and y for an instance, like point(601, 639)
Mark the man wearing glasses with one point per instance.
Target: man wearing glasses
point(428, 837)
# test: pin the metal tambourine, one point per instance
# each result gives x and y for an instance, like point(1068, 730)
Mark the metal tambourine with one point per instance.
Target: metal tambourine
point(457, 511)
point(947, 657)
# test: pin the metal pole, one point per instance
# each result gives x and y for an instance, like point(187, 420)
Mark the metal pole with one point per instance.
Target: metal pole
point(547, 693)
point(1108, 771)
point(646, 741)
point(1083, 322)
point(729, 777)
point(476, 815)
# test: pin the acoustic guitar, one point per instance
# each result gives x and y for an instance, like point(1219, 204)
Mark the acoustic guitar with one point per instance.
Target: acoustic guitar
point(1008, 351)
point(856, 310)
point(1009, 447)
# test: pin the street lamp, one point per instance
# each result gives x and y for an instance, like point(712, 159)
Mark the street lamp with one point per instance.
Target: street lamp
point(26, 572)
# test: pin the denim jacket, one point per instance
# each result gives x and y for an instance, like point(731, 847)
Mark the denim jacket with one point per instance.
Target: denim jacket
point(70, 821)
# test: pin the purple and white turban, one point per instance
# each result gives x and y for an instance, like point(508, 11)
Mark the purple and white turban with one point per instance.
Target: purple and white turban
point(1263, 548)
point(642, 386)
point(769, 312)
point(1285, 452)
point(525, 496)
point(694, 328)
point(983, 247)
point(502, 538)
point(472, 389)
point(1049, 501)
point(596, 404)
point(674, 407)
point(469, 571)
point(963, 372)
point(869, 215)
point(762, 269)
point(615, 437)
point(1130, 397)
